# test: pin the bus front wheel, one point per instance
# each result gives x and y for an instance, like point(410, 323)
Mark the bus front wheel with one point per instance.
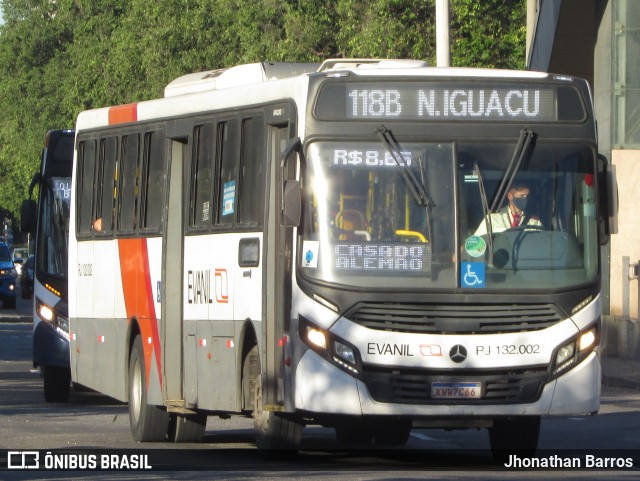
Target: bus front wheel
point(272, 430)
point(148, 422)
point(57, 383)
point(518, 434)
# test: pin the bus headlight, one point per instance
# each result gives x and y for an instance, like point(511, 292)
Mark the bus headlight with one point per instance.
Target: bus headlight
point(317, 337)
point(334, 350)
point(587, 340)
point(345, 357)
point(344, 352)
point(575, 351)
point(565, 353)
point(50, 315)
point(46, 313)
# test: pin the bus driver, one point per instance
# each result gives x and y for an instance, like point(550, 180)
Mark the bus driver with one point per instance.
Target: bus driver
point(513, 215)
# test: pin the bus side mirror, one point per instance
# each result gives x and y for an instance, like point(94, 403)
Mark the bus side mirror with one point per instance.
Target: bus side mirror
point(291, 189)
point(291, 203)
point(612, 199)
point(28, 216)
point(608, 202)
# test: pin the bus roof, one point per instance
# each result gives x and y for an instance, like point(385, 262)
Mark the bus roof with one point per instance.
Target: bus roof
point(253, 73)
point(236, 76)
point(289, 79)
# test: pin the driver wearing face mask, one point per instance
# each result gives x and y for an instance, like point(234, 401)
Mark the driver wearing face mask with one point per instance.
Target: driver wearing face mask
point(513, 215)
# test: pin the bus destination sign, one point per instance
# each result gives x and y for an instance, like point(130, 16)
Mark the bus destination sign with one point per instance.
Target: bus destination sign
point(439, 101)
point(371, 257)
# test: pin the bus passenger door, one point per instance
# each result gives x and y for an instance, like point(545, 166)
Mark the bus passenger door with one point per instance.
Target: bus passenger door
point(250, 219)
point(277, 251)
point(172, 255)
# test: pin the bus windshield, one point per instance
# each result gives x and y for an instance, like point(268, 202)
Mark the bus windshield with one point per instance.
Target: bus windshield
point(53, 237)
point(440, 223)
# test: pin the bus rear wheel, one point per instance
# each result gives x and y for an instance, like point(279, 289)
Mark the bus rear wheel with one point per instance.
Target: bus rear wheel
point(148, 422)
point(57, 383)
point(514, 435)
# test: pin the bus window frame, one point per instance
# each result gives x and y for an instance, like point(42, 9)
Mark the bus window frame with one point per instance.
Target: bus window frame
point(86, 231)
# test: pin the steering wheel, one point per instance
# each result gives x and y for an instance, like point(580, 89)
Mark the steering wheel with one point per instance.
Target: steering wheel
point(534, 227)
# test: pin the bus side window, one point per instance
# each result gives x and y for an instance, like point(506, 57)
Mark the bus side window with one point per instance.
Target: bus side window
point(202, 205)
point(105, 186)
point(228, 158)
point(153, 182)
point(86, 164)
point(127, 204)
point(250, 201)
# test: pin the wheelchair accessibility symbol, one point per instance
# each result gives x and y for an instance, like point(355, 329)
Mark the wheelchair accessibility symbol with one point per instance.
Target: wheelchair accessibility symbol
point(473, 274)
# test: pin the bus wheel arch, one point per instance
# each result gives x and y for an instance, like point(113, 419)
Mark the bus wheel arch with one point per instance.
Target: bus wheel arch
point(250, 368)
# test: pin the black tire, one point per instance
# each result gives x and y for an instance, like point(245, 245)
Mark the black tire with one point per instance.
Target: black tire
point(57, 383)
point(354, 432)
point(250, 372)
point(393, 432)
point(148, 422)
point(517, 435)
point(10, 303)
point(273, 431)
point(187, 428)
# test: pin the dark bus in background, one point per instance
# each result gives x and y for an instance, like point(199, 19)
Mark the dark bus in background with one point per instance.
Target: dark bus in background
point(47, 216)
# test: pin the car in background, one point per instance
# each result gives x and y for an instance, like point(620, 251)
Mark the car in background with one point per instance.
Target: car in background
point(8, 276)
point(18, 263)
point(19, 255)
point(26, 279)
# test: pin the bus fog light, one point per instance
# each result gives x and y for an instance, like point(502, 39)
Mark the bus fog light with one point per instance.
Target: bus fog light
point(587, 340)
point(565, 353)
point(345, 352)
point(317, 338)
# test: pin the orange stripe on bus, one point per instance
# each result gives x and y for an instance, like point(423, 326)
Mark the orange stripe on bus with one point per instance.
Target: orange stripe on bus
point(138, 297)
point(122, 114)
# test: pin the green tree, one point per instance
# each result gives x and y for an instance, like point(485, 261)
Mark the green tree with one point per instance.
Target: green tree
point(488, 34)
point(60, 57)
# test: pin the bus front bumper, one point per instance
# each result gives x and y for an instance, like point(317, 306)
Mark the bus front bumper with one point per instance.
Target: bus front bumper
point(50, 347)
point(323, 388)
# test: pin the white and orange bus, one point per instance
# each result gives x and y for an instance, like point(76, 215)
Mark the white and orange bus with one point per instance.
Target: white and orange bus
point(301, 242)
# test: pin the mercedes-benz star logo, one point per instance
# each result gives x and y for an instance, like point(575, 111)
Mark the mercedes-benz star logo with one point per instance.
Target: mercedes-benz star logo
point(458, 353)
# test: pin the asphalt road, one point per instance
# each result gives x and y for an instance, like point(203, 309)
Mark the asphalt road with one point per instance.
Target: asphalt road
point(91, 425)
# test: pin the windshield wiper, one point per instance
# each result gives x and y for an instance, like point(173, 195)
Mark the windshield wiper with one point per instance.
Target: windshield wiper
point(520, 152)
point(418, 189)
point(485, 210)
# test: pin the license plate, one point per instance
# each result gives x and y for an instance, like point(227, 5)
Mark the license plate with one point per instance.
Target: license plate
point(456, 390)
